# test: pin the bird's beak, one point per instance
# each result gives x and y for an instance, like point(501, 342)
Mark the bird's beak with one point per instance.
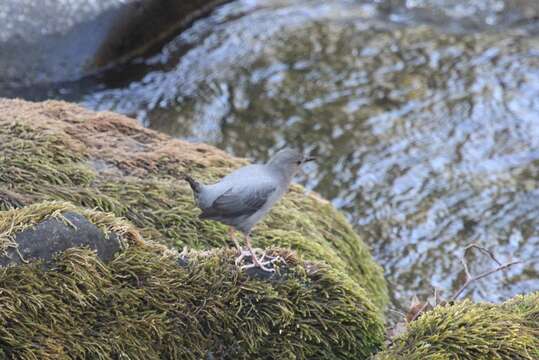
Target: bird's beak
point(309, 158)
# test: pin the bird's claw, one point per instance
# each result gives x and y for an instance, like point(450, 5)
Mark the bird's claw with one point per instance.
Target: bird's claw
point(263, 264)
point(243, 254)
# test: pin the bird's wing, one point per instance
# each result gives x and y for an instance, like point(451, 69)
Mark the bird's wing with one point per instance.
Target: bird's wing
point(240, 201)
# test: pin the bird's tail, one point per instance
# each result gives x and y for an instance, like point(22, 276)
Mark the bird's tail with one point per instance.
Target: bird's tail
point(195, 185)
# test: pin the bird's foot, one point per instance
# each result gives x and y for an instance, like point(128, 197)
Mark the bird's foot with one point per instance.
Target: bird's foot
point(242, 255)
point(262, 263)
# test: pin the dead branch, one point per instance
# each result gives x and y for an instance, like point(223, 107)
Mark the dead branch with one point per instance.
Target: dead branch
point(418, 312)
point(469, 277)
point(472, 278)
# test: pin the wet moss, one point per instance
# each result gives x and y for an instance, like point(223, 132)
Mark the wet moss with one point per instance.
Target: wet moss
point(470, 331)
point(147, 304)
point(55, 151)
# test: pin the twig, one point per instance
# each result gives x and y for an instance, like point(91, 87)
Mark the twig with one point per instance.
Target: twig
point(483, 250)
point(470, 280)
point(420, 311)
point(469, 277)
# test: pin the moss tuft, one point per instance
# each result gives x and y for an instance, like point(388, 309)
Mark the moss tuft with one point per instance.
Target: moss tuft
point(470, 331)
point(526, 306)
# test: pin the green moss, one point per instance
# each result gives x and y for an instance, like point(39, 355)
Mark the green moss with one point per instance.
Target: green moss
point(526, 306)
point(145, 305)
point(55, 165)
point(29, 156)
point(470, 331)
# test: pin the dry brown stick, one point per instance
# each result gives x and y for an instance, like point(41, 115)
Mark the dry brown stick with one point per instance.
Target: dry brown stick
point(469, 277)
point(483, 250)
point(420, 311)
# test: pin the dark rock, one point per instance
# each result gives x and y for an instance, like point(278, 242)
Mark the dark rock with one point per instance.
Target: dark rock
point(69, 49)
point(183, 261)
point(49, 237)
point(257, 273)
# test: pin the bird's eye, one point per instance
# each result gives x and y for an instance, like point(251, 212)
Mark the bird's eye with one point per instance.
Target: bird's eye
point(298, 162)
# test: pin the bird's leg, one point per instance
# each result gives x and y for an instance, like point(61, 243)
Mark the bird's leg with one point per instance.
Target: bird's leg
point(231, 235)
point(256, 262)
point(241, 252)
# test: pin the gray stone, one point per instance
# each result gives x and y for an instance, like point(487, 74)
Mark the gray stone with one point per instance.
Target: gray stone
point(53, 235)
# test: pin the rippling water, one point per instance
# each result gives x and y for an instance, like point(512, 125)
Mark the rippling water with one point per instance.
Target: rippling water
point(424, 116)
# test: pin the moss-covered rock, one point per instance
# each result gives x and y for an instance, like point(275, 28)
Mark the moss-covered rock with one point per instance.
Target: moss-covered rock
point(57, 151)
point(470, 331)
point(150, 302)
point(60, 162)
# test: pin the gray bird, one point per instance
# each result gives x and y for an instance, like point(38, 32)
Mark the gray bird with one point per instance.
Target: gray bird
point(245, 196)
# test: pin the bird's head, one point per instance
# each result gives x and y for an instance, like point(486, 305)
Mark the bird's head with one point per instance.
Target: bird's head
point(289, 161)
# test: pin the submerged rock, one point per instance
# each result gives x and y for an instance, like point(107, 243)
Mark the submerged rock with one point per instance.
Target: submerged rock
point(51, 41)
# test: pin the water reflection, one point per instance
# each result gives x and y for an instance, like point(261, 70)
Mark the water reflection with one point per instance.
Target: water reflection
point(428, 140)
